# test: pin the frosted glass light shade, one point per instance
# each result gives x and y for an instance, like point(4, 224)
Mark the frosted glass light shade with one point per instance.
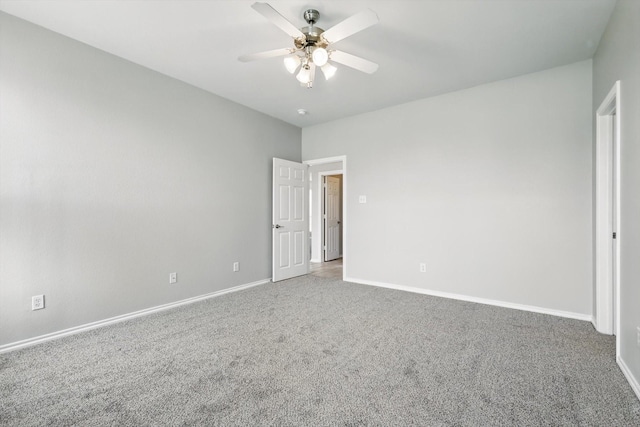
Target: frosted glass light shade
point(304, 76)
point(328, 70)
point(291, 63)
point(320, 56)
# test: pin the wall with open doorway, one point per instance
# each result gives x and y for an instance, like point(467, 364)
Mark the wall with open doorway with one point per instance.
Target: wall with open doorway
point(489, 187)
point(617, 59)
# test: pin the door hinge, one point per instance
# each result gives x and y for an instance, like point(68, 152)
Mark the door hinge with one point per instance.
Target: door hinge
point(615, 234)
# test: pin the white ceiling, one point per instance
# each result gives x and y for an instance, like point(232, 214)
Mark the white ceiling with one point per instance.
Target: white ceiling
point(424, 48)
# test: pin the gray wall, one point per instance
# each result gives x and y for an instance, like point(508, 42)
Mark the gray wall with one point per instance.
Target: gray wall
point(113, 176)
point(490, 187)
point(618, 58)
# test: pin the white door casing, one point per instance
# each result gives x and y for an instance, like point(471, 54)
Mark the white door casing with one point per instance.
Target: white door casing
point(345, 208)
point(332, 226)
point(290, 219)
point(614, 224)
point(606, 264)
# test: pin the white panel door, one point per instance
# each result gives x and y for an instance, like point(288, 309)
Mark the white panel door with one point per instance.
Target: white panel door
point(332, 227)
point(290, 220)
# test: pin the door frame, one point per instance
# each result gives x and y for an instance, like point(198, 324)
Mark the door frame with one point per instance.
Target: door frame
point(606, 306)
point(345, 221)
point(323, 222)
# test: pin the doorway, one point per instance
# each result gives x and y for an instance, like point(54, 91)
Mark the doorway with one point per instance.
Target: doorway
point(328, 243)
point(607, 216)
point(328, 270)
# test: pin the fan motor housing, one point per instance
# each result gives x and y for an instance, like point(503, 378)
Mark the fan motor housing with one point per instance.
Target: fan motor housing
point(313, 37)
point(312, 34)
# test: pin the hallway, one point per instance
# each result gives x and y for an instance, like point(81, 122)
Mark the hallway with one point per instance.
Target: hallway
point(329, 270)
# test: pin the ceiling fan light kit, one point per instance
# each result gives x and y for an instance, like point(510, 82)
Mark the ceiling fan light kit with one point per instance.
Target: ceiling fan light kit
point(328, 70)
point(291, 63)
point(311, 44)
point(320, 56)
point(304, 76)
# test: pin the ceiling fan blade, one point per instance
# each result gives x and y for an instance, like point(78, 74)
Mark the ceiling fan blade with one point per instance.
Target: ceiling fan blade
point(354, 62)
point(351, 25)
point(280, 21)
point(265, 54)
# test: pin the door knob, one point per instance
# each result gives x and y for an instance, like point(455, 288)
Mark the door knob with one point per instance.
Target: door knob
point(278, 226)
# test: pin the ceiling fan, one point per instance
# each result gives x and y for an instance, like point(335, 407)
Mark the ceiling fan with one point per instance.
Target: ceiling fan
point(312, 46)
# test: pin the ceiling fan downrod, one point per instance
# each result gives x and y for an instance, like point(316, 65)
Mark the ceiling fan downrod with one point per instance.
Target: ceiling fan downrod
point(311, 16)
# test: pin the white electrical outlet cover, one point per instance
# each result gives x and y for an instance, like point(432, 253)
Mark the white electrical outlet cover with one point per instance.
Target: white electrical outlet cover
point(37, 302)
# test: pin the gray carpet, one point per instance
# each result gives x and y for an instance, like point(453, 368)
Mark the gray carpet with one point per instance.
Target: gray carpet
point(314, 351)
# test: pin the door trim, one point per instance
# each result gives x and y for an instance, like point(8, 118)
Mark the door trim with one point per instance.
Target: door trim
point(319, 202)
point(604, 179)
point(323, 223)
point(345, 193)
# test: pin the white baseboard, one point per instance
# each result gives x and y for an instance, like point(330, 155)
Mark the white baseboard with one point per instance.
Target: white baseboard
point(531, 308)
point(633, 381)
point(100, 323)
point(315, 260)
